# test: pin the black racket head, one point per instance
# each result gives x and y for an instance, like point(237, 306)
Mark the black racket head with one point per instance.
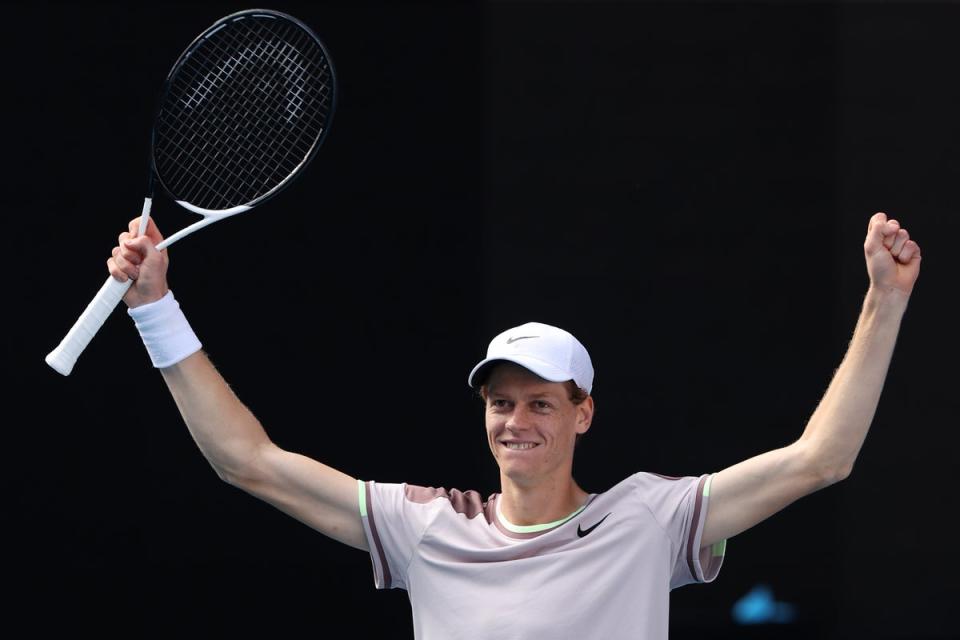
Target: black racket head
point(243, 111)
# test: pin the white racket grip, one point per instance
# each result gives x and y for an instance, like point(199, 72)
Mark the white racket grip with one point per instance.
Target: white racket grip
point(65, 355)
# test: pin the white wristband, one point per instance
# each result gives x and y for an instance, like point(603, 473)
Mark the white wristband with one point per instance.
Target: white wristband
point(165, 331)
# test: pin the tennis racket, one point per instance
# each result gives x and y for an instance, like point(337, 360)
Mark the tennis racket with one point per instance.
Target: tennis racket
point(241, 113)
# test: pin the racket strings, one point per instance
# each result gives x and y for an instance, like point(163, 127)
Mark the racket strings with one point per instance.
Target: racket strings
point(228, 70)
point(292, 103)
point(244, 123)
point(243, 113)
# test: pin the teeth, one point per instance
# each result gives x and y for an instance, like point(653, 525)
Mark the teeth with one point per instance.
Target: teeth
point(519, 445)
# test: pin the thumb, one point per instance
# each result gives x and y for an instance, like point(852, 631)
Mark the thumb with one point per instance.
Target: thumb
point(152, 232)
point(878, 229)
point(143, 245)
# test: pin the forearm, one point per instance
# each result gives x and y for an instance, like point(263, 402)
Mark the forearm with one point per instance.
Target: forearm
point(751, 491)
point(837, 429)
point(228, 434)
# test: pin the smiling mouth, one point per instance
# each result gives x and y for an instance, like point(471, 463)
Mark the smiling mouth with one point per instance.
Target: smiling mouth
point(519, 446)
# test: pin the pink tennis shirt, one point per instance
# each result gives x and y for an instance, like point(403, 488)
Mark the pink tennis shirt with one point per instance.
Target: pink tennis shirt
point(605, 571)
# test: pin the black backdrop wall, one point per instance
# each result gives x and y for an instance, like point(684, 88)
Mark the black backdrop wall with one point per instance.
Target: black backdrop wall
point(685, 186)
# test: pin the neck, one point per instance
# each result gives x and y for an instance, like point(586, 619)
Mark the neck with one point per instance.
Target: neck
point(526, 505)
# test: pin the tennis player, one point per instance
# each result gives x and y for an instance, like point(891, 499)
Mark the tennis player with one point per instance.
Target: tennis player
point(543, 558)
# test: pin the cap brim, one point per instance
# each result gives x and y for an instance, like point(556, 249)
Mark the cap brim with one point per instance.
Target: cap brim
point(546, 371)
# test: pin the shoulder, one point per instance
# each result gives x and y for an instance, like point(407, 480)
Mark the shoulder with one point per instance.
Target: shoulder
point(467, 503)
point(651, 479)
point(657, 489)
point(648, 480)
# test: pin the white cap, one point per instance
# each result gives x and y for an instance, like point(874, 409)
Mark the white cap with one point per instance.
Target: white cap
point(550, 352)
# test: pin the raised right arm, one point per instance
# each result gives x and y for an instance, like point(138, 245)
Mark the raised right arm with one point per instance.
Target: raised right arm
point(228, 434)
point(237, 447)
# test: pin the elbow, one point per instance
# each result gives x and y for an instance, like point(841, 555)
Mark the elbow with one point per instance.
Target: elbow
point(243, 470)
point(224, 471)
point(225, 475)
point(238, 476)
point(844, 472)
point(823, 470)
point(833, 474)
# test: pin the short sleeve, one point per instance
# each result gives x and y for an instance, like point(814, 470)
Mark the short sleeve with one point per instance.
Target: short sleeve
point(680, 506)
point(394, 523)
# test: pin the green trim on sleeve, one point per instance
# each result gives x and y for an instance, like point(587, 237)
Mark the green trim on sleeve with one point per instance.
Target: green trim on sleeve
point(719, 549)
point(362, 499)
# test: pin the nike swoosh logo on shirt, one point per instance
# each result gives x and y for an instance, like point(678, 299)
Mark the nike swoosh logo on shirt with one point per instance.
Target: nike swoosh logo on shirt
point(583, 532)
point(512, 340)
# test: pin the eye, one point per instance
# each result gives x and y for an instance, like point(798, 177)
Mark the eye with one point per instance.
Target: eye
point(542, 405)
point(499, 403)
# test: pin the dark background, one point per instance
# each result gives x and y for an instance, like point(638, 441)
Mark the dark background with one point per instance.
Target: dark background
point(684, 186)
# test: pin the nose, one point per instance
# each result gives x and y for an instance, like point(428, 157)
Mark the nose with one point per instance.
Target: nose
point(518, 420)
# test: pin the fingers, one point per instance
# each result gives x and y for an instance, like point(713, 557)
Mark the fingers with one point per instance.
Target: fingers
point(125, 261)
point(120, 269)
point(910, 251)
point(152, 232)
point(133, 250)
point(136, 259)
point(878, 218)
point(878, 229)
point(889, 232)
point(116, 271)
point(886, 233)
point(896, 242)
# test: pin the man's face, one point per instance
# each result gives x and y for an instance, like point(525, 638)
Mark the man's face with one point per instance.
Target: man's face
point(532, 424)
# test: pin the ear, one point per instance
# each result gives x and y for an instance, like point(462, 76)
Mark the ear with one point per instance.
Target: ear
point(585, 415)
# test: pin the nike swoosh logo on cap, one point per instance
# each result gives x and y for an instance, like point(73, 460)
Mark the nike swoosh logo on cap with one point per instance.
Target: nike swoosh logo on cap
point(512, 340)
point(583, 532)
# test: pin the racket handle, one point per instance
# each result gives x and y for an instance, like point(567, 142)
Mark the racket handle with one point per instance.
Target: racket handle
point(65, 355)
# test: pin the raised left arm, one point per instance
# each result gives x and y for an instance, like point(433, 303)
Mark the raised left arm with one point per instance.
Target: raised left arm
point(749, 492)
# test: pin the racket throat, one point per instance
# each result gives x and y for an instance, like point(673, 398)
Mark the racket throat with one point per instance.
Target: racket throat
point(208, 218)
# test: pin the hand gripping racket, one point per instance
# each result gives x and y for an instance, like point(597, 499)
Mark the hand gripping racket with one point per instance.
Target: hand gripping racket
point(243, 111)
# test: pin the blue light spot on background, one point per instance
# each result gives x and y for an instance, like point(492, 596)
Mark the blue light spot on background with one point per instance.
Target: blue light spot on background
point(760, 607)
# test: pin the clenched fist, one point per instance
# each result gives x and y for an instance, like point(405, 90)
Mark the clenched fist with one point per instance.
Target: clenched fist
point(893, 259)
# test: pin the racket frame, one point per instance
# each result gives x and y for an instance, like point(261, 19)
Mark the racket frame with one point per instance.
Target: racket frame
point(63, 358)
